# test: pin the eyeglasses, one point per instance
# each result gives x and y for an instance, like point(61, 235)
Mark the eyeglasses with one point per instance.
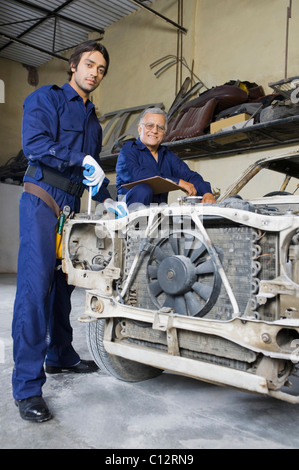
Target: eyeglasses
point(150, 126)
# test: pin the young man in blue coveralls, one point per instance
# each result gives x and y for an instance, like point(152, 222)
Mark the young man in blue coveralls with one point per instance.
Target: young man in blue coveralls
point(146, 157)
point(62, 140)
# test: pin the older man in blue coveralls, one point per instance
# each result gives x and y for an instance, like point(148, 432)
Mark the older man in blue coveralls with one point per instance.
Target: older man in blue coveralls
point(146, 157)
point(62, 140)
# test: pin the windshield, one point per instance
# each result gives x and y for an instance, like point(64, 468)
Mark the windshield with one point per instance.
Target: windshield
point(268, 181)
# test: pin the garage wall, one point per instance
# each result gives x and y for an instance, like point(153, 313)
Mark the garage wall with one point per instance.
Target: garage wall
point(14, 76)
point(245, 40)
point(9, 228)
point(226, 39)
point(134, 43)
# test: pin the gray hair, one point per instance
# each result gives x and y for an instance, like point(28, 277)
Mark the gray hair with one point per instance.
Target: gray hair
point(153, 111)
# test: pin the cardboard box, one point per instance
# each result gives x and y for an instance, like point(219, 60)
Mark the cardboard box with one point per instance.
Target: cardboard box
point(228, 122)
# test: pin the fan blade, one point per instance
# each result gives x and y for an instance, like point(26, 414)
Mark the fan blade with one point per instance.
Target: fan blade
point(197, 252)
point(155, 288)
point(152, 271)
point(205, 268)
point(188, 244)
point(192, 303)
point(169, 301)
point(180, 305)
point(174, 242)
point(158, 254)
point(202, 290)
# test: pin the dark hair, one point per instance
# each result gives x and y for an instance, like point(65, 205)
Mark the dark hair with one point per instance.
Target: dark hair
point(87, 46)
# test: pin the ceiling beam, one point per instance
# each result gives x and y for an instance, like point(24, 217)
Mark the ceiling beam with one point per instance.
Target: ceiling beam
point(154, 12)
point(48, 14)
point(26, 44)
point(56, 13)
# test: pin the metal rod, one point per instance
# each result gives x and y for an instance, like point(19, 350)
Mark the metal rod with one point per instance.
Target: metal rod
point(289, 16)
point(56, 13)
point(177, 53)
point(54, 35)
point(184, 30)
point(26, 44)
point(170, 56)
point(165, 67)
point(49, 14)
point(20, 21)
point(89, 201)
point(179, 67)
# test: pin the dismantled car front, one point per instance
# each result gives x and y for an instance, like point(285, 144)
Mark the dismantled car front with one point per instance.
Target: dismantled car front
point(207, 291)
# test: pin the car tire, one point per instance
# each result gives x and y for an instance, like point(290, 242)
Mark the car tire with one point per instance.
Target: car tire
point(119, 367)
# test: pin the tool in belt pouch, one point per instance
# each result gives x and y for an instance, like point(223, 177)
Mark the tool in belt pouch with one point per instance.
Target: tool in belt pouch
point(64, 214)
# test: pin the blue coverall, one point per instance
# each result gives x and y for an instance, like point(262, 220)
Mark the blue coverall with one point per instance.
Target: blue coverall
point(58, 131)
point(135, 162)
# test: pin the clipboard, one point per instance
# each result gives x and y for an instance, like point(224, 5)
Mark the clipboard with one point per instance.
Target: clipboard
point(158, 184)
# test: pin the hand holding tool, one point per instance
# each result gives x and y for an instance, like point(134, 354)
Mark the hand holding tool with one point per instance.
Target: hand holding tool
point(93, 174)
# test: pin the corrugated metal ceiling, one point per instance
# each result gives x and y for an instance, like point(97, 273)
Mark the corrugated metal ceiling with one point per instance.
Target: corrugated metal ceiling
point(32, 32)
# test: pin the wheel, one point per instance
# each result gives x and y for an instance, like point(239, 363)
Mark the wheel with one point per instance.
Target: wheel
point(278, 193)
point(121, 368)
point(182, 275)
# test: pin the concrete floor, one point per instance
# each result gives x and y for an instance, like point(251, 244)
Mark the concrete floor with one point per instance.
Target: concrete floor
point(169, 412)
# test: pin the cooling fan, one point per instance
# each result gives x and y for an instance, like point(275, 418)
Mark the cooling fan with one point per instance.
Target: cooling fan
point(182, 274)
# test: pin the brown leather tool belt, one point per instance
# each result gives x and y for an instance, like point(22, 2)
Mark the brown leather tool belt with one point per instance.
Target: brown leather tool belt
point(43, 195)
